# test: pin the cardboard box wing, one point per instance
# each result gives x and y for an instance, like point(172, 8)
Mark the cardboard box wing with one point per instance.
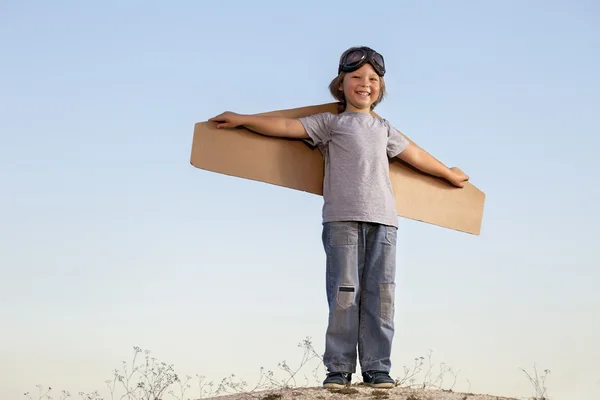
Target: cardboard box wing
point(294, 164)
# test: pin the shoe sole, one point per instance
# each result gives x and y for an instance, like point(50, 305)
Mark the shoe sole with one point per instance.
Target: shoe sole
point(388, 385)
point(334, 386)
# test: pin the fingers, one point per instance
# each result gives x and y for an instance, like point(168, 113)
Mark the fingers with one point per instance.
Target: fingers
point(459, 181)
point(225, 120)
point(223, 124)
point(221, 120)
point(461, 176)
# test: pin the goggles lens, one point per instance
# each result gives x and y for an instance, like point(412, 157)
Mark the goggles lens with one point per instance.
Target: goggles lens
point(357, 57)
point(354, 57)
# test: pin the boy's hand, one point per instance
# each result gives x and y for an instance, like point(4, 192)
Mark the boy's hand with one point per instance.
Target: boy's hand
point(457, 177)
point(228, 120)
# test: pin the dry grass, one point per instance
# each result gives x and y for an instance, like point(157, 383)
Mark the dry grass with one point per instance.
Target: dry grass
point(146, 378)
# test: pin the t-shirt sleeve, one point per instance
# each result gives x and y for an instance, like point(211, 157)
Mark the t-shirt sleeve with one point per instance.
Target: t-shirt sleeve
point(396, 141)
point(317, 128)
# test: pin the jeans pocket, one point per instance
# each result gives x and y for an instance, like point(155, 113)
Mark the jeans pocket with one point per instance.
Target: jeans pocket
point(386, 295)
point(345, 296)
point(343, 234)
point(391, 234)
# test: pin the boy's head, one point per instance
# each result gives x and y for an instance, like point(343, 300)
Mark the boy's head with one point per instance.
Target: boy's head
point(360, 82)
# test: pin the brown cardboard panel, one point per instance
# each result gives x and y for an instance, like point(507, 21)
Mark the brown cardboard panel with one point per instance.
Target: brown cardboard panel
point(294, 164)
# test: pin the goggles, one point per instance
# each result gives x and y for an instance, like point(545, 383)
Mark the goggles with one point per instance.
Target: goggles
point(356, 57)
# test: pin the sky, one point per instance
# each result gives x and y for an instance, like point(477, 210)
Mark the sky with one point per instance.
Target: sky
point(110, 238)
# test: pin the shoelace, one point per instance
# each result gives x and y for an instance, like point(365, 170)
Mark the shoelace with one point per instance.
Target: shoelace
point(375, 374)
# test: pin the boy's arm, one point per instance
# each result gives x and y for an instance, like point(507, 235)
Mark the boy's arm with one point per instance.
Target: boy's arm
point(422, 160)
point(266, 125)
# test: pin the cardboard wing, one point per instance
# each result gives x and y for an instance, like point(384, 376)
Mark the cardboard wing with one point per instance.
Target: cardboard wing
point(294, 164)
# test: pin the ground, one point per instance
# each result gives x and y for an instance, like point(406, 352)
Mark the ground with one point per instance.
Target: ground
point(360, 392)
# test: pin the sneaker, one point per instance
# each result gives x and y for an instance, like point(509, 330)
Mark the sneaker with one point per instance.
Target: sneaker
point(378, 379)
point(337, 380)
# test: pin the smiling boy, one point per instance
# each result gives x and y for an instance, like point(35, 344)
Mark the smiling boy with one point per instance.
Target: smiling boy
point(359, 214)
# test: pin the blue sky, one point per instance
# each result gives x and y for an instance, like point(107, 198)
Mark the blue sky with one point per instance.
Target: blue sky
point(109, 238)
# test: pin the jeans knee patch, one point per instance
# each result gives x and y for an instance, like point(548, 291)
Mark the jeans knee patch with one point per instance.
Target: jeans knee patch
point(386, 292)
point(345, 296)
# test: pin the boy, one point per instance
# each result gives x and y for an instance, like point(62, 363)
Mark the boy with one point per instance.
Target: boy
point(359, 214)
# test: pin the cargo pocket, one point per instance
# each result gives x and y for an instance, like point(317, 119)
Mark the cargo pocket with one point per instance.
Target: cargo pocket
point(343, 234)
point(345, 296)
point(386, 293)
point(391, 233)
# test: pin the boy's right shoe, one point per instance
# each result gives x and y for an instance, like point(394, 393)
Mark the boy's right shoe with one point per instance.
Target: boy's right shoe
point(337, 380)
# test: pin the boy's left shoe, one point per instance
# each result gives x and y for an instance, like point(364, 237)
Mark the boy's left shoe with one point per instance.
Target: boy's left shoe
point(378, 379)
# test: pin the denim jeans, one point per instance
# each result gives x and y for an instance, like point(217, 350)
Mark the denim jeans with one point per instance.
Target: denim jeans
point(361, 270)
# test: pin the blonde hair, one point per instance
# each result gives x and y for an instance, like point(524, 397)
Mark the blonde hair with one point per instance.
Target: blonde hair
point(338, 94)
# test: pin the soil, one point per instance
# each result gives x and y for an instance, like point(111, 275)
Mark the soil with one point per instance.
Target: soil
point(359, 392)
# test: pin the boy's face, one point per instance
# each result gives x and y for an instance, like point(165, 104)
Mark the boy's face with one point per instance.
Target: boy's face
point(361, 88)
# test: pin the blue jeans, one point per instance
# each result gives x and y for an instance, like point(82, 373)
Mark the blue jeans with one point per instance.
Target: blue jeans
point(361, 270)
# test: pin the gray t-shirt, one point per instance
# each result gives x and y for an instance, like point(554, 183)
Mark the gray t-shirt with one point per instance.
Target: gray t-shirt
point(356, 148)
